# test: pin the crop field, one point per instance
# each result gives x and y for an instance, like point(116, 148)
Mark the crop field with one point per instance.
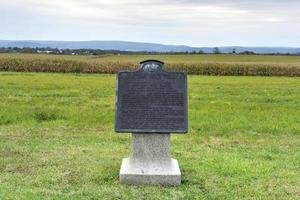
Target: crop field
point(57, 139)
point(224, 65)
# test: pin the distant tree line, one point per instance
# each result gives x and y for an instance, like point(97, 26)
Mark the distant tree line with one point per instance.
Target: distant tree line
point(56, 51)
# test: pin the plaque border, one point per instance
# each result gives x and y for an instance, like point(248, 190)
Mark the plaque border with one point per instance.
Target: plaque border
point(145, 131)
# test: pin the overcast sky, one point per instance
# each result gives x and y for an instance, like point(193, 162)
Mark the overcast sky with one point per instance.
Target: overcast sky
point(189, 22)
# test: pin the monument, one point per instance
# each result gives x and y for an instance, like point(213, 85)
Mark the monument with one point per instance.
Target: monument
point(151, 103)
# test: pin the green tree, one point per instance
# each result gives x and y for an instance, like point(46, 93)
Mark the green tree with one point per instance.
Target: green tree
point(216, 50)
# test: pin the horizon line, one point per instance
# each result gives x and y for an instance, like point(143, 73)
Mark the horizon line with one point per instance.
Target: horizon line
point(222, 46)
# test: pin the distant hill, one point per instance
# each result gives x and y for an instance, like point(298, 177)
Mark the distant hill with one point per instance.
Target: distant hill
point(138, 46)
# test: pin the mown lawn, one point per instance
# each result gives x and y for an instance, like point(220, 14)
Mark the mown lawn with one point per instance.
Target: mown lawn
point(177, 58)
point(57, 139)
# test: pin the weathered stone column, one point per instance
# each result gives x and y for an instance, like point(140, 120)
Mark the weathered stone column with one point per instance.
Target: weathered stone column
point(150, 162)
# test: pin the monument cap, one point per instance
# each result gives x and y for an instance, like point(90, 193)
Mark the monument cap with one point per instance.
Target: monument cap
point(152, 60)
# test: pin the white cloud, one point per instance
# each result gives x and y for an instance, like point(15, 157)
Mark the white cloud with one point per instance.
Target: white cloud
point(145, 10)
point(199, 22)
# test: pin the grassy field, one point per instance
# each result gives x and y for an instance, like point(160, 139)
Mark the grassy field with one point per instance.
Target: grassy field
point(57, 139)
point(246, 65)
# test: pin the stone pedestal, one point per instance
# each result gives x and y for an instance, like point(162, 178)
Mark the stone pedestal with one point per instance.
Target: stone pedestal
point(150, 162)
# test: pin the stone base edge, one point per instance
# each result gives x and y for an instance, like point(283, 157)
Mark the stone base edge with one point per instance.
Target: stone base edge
point(173, 178)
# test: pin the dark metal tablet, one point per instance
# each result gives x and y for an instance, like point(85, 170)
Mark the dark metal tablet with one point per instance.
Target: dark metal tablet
point(151, 100)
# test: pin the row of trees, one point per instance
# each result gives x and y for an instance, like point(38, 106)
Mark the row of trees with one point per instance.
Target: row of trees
point(216, 50)
point(57, 51)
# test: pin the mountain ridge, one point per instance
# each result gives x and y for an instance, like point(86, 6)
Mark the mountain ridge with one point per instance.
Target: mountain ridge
point(138, 46)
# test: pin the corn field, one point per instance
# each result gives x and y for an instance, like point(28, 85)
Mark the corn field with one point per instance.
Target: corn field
point(225, 65)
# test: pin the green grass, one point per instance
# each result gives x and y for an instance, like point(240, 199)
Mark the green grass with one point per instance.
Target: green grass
point(192, 58)
point(57, 139)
